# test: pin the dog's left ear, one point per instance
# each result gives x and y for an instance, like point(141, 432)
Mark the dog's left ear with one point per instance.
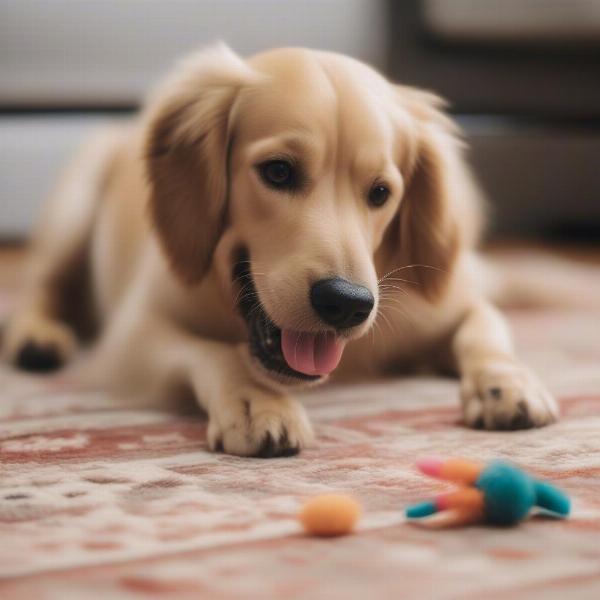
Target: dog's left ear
point(437, 214)
point(186, 150)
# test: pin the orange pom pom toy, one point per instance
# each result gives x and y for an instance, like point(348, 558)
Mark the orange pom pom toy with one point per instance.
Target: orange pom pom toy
point(330, 515)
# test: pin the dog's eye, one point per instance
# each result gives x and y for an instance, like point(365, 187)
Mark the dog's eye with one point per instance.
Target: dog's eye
point(279, 174)
point(378, 195)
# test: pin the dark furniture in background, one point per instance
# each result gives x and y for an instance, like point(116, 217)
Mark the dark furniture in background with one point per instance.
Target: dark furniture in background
point(523, 77)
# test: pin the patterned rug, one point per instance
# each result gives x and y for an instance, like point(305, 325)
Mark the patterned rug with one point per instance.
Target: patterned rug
point(102, 501)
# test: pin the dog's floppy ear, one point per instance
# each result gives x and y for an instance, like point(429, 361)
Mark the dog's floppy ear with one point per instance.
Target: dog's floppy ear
point(436, 214)
point(186, 148)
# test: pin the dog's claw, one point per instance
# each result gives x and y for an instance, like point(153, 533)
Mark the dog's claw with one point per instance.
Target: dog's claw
point(272, 449)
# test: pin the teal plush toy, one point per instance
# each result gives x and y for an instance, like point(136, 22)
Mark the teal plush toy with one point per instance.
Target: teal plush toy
point(498, 493)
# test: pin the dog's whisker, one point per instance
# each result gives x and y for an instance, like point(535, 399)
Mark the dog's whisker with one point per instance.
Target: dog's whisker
point(257, 306)
point(389, 273)
point(421, 266)
point(401, 315)
point(374, 329)
point(242, 289)
point(390, 298)
point(395, 287)
point(243, 294)
point(372, 335)
point(400, 279)
point(398, 308)
point(237, 298)
point(244, 279)
point(253, 263)
point(387, 321)
point(392, 301)
point(414, 266)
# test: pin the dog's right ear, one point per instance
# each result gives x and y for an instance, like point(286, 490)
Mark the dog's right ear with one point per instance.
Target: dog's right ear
point(186, 148)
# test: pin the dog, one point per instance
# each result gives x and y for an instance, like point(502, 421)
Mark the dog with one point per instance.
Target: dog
point(267, 224)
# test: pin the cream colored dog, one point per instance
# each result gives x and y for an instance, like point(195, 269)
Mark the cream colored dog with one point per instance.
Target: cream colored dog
point(246, 234)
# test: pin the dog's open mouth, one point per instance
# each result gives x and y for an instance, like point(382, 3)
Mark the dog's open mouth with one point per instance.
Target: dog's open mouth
point(291, 354)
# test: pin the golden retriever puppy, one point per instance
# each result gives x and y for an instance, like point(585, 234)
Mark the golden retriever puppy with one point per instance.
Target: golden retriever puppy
point(245, 234)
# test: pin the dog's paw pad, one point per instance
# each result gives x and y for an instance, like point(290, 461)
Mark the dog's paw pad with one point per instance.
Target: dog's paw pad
point(41, 358)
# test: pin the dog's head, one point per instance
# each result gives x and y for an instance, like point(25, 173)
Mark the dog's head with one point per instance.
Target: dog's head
point(315, 175)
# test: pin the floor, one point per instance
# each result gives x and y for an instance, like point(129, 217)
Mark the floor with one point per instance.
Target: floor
point(103, 501)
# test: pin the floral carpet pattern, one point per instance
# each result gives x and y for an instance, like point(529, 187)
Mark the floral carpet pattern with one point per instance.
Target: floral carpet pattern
point(105, 501)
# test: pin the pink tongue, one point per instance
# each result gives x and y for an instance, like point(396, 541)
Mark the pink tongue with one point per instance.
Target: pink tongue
point(311, 354)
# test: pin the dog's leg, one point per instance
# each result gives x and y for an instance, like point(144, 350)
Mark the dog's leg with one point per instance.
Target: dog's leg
point(36, 336)
point(497, 391)
point(245, 418)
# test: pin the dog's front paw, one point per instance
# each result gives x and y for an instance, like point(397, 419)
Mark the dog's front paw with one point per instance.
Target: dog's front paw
point(505, 395)
point(253, 422)
point(37, 343)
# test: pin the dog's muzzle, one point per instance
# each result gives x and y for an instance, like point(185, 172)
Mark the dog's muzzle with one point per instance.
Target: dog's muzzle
point(264, 337)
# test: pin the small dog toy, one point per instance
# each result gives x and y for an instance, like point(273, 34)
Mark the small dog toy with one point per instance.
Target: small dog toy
point(330, 515)
point(497, 493)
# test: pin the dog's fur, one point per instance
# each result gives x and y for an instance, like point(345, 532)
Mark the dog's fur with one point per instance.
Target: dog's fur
point(158, 211)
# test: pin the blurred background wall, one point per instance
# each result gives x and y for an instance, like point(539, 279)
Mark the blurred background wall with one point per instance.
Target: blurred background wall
point(522, 76)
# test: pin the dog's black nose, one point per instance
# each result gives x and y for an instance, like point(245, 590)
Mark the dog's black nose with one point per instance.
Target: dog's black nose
point(341, 303)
